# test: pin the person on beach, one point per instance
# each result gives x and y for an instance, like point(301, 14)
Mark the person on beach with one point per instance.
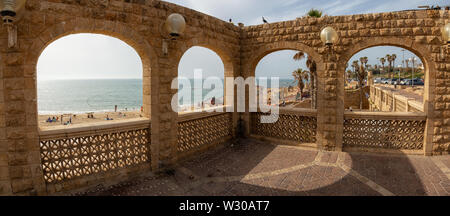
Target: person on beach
point(70, 119)
point(49, 120)
point(213, 101)
point(62, 116)
point(115, 108)
point(54, 119)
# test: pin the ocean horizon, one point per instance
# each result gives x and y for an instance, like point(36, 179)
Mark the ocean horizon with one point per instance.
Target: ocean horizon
point(76, 96)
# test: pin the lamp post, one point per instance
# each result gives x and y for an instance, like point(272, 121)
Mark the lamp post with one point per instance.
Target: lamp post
point(329, 36)
point(446, 39)
point(174, 27)
point(412, 60)
point(9, 10)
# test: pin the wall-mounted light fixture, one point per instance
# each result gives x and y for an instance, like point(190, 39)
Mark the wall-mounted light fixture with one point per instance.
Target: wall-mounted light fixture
point(446, 39)
point(329, 36)
point(8, 11)
point(174, 27)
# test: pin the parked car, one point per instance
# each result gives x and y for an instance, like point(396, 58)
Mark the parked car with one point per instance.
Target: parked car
point(416, 82)
point(404, 81)
point(377, 80)
point(385, 81)
point(393, 81)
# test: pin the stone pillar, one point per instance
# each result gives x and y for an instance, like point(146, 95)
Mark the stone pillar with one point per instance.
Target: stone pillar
point(168, 118)
point(20, 165)
point(369, 79)
point(330, 109)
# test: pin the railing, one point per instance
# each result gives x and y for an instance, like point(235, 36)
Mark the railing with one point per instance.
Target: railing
point(199, 131)
point(395, 131)
point(296, 125)
point(75, 157)
point(386, 101)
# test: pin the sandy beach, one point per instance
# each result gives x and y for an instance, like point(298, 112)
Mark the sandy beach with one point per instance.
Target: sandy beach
point(79, 119)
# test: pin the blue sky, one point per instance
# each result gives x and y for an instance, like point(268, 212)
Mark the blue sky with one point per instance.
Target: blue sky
point(88, 56)
point(250, 12)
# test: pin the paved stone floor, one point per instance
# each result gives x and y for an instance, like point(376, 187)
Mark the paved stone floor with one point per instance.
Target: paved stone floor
point(258, 168)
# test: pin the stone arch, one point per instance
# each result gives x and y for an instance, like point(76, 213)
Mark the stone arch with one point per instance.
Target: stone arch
point(221, 51)
point(268, 48)
point(420, 50)
point(113, 29)
point(224, 54)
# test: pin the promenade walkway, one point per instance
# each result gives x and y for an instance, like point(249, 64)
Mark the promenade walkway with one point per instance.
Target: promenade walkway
point(254, 168)
point(403, 92)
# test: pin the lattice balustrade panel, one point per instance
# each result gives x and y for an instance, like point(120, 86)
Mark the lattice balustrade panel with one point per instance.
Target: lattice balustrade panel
point(196, 133)
point(386, 134)
point(72, 157)
point(293, 127)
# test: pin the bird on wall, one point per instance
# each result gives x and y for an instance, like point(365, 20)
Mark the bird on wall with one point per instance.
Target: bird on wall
point(264, 20)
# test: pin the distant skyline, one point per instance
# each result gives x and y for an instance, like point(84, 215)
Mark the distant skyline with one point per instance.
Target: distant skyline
point(90, 56)
point(375, 53)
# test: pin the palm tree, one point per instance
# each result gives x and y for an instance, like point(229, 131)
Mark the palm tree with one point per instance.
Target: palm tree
point(300, 75)
point(354, 66)
point(383, 60)
point(314, 13)
point(311, 64)
point(360, 72)
point(407, 64)
point(389, 59)
point(364, 60)
point(394, 57)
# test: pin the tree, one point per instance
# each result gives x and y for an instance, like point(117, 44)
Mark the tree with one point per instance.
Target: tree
point(360, 72)
point(389, 59)
point(364, 60)
point(407, 65)
point(312, 66)
point(383, 61)
point(314, 13)
point(393, 57)
point(300, 75)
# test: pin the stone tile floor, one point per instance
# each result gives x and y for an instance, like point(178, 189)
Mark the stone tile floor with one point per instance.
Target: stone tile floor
point(253, 168)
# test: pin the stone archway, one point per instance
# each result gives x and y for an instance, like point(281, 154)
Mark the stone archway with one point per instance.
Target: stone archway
point(129, 36)
point(265, 49)
point(117, 30)
point(251, 62)
point(224, 54)
point(418, 49)
point(430, 72)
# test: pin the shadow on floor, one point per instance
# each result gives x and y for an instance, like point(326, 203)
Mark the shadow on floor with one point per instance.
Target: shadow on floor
point(255, 168)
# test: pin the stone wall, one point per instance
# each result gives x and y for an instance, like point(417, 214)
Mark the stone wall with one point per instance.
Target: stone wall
point(386, 101)
point(352, 98)
point(139, 23)
point(418, 31)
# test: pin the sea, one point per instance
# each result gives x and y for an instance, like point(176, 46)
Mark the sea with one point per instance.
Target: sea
point(101, 95)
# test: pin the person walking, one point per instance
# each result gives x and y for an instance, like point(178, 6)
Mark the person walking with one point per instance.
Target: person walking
point(115, 108)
